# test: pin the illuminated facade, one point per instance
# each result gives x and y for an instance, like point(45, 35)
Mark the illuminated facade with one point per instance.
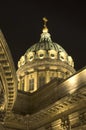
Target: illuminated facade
point(46, 93)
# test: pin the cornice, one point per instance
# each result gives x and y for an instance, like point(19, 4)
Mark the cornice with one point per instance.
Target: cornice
point(61, 108)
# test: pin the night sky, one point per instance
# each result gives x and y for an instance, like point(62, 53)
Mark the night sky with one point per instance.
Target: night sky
point(21, 23)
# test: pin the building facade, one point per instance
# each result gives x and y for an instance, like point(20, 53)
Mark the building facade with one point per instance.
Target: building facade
point(46, 92)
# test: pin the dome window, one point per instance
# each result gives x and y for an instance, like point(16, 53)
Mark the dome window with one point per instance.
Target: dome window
point(22, 60)
point(52, 56)
point(31, 58)
point(41, 56)
point(70, 61)
point(63, 56)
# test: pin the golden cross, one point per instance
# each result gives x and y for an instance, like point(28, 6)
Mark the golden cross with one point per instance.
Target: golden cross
point(45, 21)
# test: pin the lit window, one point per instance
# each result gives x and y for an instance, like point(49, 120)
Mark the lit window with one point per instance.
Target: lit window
point(31, 84)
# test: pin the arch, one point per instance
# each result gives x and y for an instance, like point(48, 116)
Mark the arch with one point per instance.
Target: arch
point(9, 74)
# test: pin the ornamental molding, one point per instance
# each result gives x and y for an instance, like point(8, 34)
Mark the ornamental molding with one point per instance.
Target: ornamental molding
point(9, 73)
point(46, 63)
point(61, 108)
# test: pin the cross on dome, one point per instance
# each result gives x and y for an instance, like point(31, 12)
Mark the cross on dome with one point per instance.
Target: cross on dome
point(45, 29)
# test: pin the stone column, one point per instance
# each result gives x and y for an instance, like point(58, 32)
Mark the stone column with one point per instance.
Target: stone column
point(35, 80)
point(47, 77)
point(26, 84)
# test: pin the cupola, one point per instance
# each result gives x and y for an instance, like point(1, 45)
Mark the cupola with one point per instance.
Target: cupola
point(42, 62)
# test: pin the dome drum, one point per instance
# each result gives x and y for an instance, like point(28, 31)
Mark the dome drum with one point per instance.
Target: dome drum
point(42, 71)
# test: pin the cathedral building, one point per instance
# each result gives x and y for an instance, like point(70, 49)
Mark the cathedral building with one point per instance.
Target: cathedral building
point(46, 92)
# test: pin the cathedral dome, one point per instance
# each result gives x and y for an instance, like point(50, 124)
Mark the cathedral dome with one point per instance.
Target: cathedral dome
point(42, 62)
point(44, 49)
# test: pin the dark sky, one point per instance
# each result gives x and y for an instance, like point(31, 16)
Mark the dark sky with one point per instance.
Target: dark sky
point(21, 23)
